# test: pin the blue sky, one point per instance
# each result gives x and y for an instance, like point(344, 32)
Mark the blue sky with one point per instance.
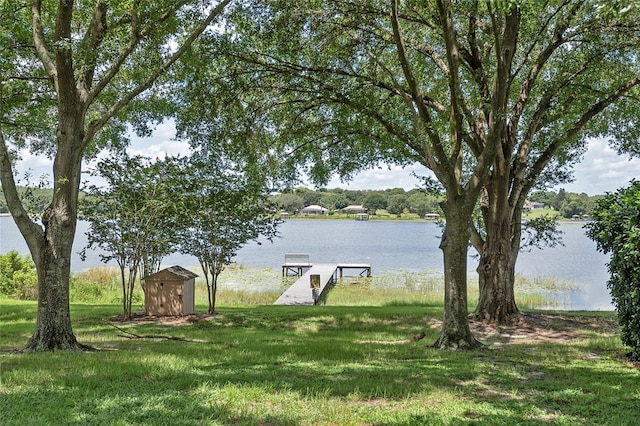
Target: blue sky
point(602, 169)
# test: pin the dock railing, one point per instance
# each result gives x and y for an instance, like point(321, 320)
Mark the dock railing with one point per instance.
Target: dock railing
point(296, 263)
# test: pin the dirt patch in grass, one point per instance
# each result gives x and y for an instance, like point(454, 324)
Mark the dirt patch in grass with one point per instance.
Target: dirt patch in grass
point(528, 327)
point(541, 327)
point(536, 327)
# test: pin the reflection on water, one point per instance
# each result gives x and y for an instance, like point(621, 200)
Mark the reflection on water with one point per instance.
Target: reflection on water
point(390, 247)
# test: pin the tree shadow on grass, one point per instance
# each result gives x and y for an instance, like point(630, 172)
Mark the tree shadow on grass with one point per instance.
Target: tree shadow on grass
point(269, 392)
point(286, 367)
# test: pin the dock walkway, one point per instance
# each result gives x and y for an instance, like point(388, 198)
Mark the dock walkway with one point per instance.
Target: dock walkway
point(301, 293)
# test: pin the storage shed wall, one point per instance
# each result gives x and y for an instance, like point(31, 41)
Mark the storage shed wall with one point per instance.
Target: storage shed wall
point(167, 295)
point(189, 297)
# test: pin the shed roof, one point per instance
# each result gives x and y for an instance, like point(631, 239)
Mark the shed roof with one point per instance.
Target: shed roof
point(178, 271)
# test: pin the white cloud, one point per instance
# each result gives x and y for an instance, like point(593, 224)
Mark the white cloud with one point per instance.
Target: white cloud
point(161, 143)
point(384, 177)
point(35, 165)
point(602, 170)
point(160, 150)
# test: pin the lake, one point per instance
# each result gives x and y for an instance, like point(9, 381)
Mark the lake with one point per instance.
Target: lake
point(388, 247)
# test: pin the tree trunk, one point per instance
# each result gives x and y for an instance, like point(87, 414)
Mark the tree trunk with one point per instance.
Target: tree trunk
point(52, 254)
point(213, 293)
point(496, 278)
point(128, 291)
point(53, 325)
point(123, 281)
point(499, 251)
point(209, 294)
point(456, 333)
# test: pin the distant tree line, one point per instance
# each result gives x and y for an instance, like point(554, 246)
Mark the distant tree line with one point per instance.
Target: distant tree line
point(394, 201)
point(567, 204)
point(35, 199)
point(418, 201)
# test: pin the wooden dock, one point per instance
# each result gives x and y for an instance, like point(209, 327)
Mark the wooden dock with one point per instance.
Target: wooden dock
point(301, 293)
point(297, 263)
point(322, 276)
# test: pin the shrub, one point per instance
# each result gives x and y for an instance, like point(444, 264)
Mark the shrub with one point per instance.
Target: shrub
point(82, 291)
point(616, 230)
point(18, 277)
point(96, 285)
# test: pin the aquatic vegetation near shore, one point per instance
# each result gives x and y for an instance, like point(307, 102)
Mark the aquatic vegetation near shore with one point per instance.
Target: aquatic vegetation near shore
point(243, 285)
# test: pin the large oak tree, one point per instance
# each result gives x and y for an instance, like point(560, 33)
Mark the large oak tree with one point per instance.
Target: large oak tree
point(343, 85)
point(73, 74)
point(495, 97)
point(577, 77)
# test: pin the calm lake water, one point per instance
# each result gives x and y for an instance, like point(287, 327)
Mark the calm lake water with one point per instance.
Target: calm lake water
point(388, 247)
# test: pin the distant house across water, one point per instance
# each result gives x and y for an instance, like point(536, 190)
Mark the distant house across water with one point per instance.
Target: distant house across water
point(313, 210)
point(531, 205)
point(355, 209)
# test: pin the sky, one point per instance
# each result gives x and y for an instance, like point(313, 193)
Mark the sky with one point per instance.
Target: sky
point(601, 170)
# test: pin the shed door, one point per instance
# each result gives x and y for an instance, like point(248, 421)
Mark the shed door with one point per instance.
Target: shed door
point(172, 298)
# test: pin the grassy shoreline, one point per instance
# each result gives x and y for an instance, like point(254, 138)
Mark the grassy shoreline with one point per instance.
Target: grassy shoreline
point(322, 365)
point(241, 285)
point(364, 358)
point(384, 216)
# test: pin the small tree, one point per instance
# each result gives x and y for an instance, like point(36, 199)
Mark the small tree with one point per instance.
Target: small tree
point(131, 220)
point(224, 209)
point(616, 230)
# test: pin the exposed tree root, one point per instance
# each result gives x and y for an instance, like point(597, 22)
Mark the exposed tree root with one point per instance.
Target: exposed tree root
point(449, 343)
point(130, 335)
point(70, 344)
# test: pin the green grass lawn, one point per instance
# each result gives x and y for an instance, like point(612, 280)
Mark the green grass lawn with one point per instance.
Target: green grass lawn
point(322, 365)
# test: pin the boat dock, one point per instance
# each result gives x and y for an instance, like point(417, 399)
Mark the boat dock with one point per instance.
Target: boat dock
point(312, 285)
point(297, 263)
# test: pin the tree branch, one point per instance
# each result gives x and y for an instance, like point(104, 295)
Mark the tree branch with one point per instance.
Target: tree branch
point(556, 41)
point(440, 163)
point(64, 55)
point(92, 40)
point(578, 126)
point(151, 79)
point(41, 45)
point(34, 235)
